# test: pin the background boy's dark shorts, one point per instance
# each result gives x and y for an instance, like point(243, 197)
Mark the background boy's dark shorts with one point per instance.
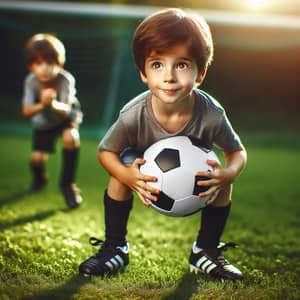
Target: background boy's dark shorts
point(45, 139)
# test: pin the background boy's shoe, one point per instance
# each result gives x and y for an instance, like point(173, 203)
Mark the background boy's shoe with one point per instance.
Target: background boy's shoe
point(38, 185)
point(72, 195)
point(39, 175)
point(109, 260)
point(211, 262)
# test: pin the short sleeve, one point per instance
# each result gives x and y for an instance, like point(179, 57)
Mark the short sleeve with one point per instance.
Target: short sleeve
point(115, 139)
point(29, 94)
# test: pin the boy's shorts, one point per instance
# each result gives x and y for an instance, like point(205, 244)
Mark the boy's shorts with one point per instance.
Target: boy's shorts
point(128, 155)
point(45, 139)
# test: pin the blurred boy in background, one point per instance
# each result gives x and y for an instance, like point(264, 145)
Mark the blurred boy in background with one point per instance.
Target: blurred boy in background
point(49, 99)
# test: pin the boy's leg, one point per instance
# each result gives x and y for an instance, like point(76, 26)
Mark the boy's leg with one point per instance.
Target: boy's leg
point(213, 221)
point(206, 253)
point(70, 156)
point(38, 170)
point(41, 146)
point(113, 254)
point(69, 166)
point(118, 201)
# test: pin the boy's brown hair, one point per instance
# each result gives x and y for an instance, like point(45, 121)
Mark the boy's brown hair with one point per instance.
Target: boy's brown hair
point(169, 27)
point(45, 46)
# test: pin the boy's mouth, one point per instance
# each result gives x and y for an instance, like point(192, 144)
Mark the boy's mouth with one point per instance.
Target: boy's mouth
point(170, 91)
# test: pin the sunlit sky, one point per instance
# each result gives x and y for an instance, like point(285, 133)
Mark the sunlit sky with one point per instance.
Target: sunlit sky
point(256, 4)
point(264, 6)
point(278, 7)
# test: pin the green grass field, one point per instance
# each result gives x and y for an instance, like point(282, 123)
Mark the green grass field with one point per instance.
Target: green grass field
point(42, 243)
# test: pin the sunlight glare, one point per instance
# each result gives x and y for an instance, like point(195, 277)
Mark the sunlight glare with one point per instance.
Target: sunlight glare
point(256, 3)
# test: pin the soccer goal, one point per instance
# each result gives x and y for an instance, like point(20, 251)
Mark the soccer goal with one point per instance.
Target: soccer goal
point(98, 45)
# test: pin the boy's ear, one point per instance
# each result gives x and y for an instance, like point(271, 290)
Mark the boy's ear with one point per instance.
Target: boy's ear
point(143, 77)
point(201, 76)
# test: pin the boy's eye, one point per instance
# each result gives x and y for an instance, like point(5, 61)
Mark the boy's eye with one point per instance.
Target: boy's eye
point(38, 62)
point(155, 65)
point(182, 65)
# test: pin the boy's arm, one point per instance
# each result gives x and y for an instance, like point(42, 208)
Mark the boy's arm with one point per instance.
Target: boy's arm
point(234, 164)
point(47, 98)
point(30, 107)
point(67, 92)
point(30, 110)
point(129, 175)
point(60, 107)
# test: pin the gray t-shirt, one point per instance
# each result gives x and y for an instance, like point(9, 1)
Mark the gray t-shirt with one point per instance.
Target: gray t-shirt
point(64, 84)
point(136, 126)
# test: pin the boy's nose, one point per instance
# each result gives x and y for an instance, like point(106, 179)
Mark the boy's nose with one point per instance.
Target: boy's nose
point(44, 67)
point(169, 75)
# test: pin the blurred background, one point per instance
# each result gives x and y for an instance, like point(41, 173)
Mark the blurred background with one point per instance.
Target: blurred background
point(255, 73)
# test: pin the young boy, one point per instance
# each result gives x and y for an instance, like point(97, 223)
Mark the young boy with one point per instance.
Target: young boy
point(172, 51)
point(50, 101)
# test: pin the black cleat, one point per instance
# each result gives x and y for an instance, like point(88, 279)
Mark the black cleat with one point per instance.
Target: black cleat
point(72, 195)
point(109, 260)
point(38, 185)
point(211, 262)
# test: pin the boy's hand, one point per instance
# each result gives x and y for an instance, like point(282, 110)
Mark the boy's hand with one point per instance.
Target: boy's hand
point(138, 182)
point(47, 95)
point(218, 179)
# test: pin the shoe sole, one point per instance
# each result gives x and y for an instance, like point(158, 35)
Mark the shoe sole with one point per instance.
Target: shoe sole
point(196, 270)
point(121, 270)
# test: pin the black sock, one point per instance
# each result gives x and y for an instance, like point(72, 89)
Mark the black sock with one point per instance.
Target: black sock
point(116, 218)
point(212, 226)
point(69, 166)
point(38, 172)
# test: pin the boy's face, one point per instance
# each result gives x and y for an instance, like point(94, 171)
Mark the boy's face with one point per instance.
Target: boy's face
point(44, 71)
point(171, 75)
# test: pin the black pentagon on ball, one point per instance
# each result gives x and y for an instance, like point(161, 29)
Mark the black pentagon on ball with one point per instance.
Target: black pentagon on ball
point(163, 201)
point(168, 159)
point(198, 143)
point(200, 189)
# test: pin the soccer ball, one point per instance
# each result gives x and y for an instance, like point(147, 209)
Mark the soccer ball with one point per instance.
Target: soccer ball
point(175, 162)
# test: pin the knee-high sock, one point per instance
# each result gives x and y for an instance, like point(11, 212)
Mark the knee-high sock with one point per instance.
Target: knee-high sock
point(38, 172)
point(212, 226)
point(116, 218)
point(69, 166)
